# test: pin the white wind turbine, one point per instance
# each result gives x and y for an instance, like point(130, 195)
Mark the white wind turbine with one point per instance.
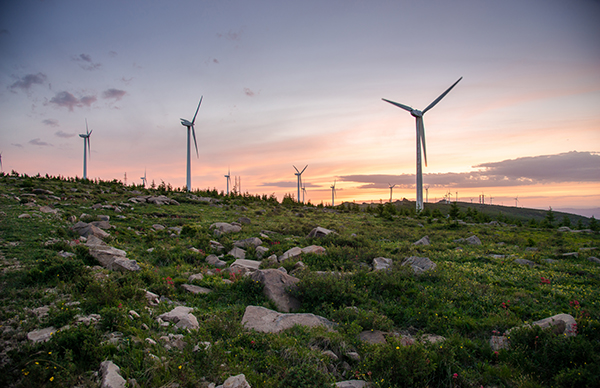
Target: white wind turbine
point(517, 201)
point(228, 176)
point(190, 128)
point(144, 180)
point(303, 192)
point(418, 115)
point(391, 189)
point(86, 142)
point(333, 194)
point(299, 175)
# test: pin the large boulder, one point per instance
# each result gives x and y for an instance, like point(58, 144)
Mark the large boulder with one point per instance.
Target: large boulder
point(473, 240)
point(238, 381)
point(423, 241)
point(249, 242)
point(276, 285)
point(420, 264)
point(268, 321)
point(381, 263)
point(319, 232)
point(214, 260)
point(224, 228)
point(182, 317)
point(111, 375)
point(238, 253)
point(290, 254)
point(110, 257)
point(86, 230)
point(252, 265)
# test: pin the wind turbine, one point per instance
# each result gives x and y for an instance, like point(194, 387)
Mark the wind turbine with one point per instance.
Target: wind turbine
point(228, 179)
point(391, 188)
point(418, 115)
point(303, 192)
point(333, 194)
point(427, 194)
point(517, 201)
point(144, 180)
point(86, 142)
point(1, 161)
point(190, 128)
point(299, 175)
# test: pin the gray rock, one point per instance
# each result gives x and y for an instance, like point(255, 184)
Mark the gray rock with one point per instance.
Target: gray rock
point(560, 324)
point(224, 228)
point(261, 251)
point(352, 384)
point(197, 276)
point(268, 321)
point(381, 263)
point(550, 261)
point(531, 249)
point(420, 264)
point(571, 254)
point(249, 242)
point(110, 257)
point(214, 260)
point(244, 220)
point(238, 381)
point(290, 254)
point(25, 215)
point(423, 241)
point(86, 230)
point(594, 259)
point(195, 289)
point(217, 246)
point(158, 227)
point(276, 286)
point(372, 337)
point(42, 335)
point(498, 342)
point(111, 375)
point(316, 249)
point(249, 264)
point(353, 356)
point(48, 209)
point(473, 240)
point(524, 262)
point(104, 218)
point(238, 253)
point(331, 355)
point(564, 229)
point(182, 317)
point(125, 265)
point(319, 232)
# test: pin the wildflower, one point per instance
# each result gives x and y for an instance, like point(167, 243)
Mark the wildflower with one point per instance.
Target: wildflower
point(455, 376)
point(52, 378)
point(179, 366)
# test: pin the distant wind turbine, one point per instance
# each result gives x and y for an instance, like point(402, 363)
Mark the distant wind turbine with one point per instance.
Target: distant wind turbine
point(228, 176)
point(418, 115)
point(144, 180)
point(86, 148)
point(190, 128)
point(427, 194)
point(303, 192)
point(391, 188)
point(333, 194)
point(1, 162)
point(517, 201)
point(299, 175)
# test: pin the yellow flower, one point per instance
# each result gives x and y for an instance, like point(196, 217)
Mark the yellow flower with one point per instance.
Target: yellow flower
point(179, 366)
point(52, 378)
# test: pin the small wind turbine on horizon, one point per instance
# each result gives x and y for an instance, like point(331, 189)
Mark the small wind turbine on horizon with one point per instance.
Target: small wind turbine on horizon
point(333, 194)
point(391, 189)
point(144, 180)
point(303, 192)
point(299, 175)
point(86, 142)
point(517, 201)
point(418, 115)
point(1, 169)
point(228, 176)
point(190, 128)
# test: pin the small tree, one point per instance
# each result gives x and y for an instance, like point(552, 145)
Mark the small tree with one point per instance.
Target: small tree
point(593, 225)
point(454, 211)
point(550, 218)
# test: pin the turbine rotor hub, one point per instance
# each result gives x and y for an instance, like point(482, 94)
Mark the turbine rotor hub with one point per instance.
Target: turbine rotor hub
point(416, 113)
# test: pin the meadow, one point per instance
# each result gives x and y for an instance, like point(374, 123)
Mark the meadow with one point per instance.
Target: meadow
point(476, 291)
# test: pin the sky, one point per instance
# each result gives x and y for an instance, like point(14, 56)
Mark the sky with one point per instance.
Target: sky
point(296, 83)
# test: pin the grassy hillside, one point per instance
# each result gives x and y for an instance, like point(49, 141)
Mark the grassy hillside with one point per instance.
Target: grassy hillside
point(476, 291)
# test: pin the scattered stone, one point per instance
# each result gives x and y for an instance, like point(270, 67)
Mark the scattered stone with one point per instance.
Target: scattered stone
point(182, 317)
point(214, 260)
point(381, 264)
point(42, 335)
point(315, 249)
point(319, 232)
point(86, 230)
point(531, 249)
point(550, 261)
point(331, 355)
point(224, 228)
point(109, 257)
point(158, 227)
point(238, 381)
point(594, 259)
point(244, 220)
point(48, 209)
point(473, 240)
point(525, 262)
point(197, 276)
point(372, 337)
point(564, 229)
point(353, 356)
point(151, 341)
point(498, 342)
point(217, 246)
point(560, 324)
point(173, 341)
point(571, 254)
point(423, 241)
point(249, 242)
point(352, 384)
point(261, 251)
point(134, 314)
point(276, 287)
point(238, 253)
point(152, 298)
point(195, 289)
point(290, 254)
point(111, 375)
point(252, 265)
point(268, 321)
point(104, 218)
point(25, 215)
point(41, 312)
point(420, 264)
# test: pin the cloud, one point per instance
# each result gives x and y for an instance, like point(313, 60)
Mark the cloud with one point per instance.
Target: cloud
point(38, 142)
point(51, 122)
point(114, 93)
point(86, 63)
point(560, 168)
point(215, 60)
point(248, 92)
point(27, 81)
point(126, 80)
point(284, 184)
point(64, 134)
point(17, 145)
point(231, 35)
point(67, 100)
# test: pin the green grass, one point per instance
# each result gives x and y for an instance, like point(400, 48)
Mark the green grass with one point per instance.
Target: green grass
point(474, 292)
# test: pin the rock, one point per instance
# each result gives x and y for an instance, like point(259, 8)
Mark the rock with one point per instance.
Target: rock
point(524, 262)
point(550, 261)
point(104, 218)
point(48, 209)
point(134, 314)
point(25, 215)
point(331, 355)
point(224, 228)
point(152, 298)
point(316, 249)
point(353, 356)
point(319, 232)
point(173, 341)
point(261, 251)
point(111, 375)
point(110, 257)
point(372, 337)
point(564, 229)
point(41, 312)
point(594, 259)
point(268, 321)
point(217, 246)
point(252, 265)
point(352, 384)
point(42, 191)
point(42, 335)
point(498, 342)
point(158, 227)
point(423, 241)
point(473, 240)
point(270, 260)
point(531, 249)
point(214, 260)
point(195, 289)
point(86, 230)
point(249, 242)
point(244, 220)
point(560, 324)
point(571, 254)
point(238, 381)
point(290, 254)
point(381, 263)
point(420, 264)
point(276, 285)
point(182, 317)
point(197, 276)
point(238, 253)
point(125, 265)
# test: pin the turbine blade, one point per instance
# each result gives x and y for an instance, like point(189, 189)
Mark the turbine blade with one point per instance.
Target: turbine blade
point(196, 144)
point(440, 97)
point(304, 169)
point(89, 148)
point(194, 119)
point(405, 107)
point(422, 137)
point(86, 127)
point(296, 169)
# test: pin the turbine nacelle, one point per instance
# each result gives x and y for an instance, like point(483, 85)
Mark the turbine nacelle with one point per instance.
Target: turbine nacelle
point(416, 113)
point(186, 123)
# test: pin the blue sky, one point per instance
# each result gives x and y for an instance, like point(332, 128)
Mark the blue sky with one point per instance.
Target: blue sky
point(296, 83)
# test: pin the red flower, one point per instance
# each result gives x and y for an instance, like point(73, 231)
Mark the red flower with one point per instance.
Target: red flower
point(455, 376)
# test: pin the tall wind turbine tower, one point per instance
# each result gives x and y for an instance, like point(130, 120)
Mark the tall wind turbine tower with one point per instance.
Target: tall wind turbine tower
point(86, 148)
point(427, 194)
point(391, 188)
point(418, 115)
point(299, 175)
point(190, 129)
point(303, 193)
point(333, 194)
point(228, 176)
point(144, 180)
point(1, 161)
